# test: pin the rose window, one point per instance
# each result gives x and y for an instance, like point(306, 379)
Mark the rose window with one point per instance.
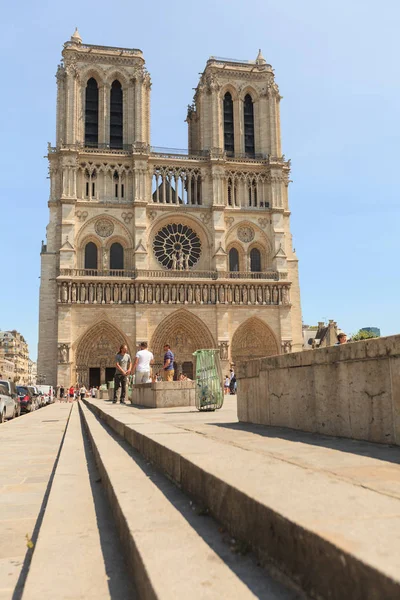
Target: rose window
point(177, 247)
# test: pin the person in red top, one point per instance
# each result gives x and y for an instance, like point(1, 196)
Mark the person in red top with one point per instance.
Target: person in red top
point(71, 393)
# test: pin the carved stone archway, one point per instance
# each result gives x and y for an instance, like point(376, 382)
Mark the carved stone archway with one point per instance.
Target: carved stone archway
point(97, 349)
point(253, 339)
point(185, 333)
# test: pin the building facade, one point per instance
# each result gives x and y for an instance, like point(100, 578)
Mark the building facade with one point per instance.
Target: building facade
point(14, 349)
point(148, 244)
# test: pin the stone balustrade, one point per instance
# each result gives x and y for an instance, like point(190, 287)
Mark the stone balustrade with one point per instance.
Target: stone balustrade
point(71, 292)
point(172, 274)
point(350, 391)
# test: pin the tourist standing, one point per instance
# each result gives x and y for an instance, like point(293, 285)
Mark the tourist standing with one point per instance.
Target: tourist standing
point(232, 382)
point(144, 359)
point(341, 339)
point(82, 392)
point(168, 363)
point(226, 384)
point(122, 369)
point(71, 393)
point(62, 393)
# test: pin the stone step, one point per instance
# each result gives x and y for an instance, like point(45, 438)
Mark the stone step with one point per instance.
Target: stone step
point(335, 538)
point(76, 554)
point(171, 558)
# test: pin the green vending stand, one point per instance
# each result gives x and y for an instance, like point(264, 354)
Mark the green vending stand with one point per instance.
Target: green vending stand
point(209, 390)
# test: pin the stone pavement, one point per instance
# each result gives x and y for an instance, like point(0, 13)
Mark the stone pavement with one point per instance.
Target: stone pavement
point(340, 498)
point(29, 447)
point(323, 511)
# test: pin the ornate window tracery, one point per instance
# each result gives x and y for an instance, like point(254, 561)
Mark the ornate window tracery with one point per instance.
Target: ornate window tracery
point(92, 113)
point(177, 247)
point(174, 185)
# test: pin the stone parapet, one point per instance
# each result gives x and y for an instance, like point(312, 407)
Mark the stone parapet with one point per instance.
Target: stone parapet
point(347, 391)
point(164, 394)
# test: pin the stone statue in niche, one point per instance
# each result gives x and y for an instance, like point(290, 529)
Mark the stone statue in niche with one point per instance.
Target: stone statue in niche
point(73, 293)
point(116, 293)
point(63, 354)
point(197, 294)
point(166, 294)
point(221, 294)
point(132, 293)
point(212, 295)
point(150, 294)
point(99, 294)
point(123, 293)
point(181, 294)
point(64, 293)
point(83, 292)
point(244, 295)
point(275, 295)
point(190, 294)
point(158, 294)
point(91, 293)
point(141, 293)
point(223, 350)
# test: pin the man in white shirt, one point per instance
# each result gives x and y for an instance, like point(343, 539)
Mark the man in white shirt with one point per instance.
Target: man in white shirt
point(142, 365)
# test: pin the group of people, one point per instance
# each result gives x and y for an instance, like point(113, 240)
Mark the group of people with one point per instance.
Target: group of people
point(141, 368)
point(75, 392)
point(230, 384)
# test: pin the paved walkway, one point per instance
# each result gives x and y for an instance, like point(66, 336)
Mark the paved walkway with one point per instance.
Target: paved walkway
point(29, 448)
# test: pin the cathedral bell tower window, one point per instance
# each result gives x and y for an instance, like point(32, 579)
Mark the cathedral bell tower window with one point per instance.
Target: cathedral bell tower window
point(116, 257)
point(92, 114)
point(233, 260)
point(255, 260)
point(248, 110)
point(116, 116)
point(229, 140)
point(91, 256)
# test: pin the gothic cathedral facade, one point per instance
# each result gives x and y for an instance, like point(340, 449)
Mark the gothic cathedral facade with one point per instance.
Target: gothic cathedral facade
point(150, 244)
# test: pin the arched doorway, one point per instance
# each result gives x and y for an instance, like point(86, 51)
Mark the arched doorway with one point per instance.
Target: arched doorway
point(253, 339)
point(185, 333)
point(95, 354)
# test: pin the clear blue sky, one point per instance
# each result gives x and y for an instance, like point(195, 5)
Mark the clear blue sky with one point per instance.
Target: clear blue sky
point(337, 67)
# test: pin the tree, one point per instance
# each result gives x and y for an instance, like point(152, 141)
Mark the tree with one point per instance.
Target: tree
point(362, 334)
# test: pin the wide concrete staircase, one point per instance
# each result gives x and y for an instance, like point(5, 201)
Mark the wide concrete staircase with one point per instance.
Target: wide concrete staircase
point(206, 508)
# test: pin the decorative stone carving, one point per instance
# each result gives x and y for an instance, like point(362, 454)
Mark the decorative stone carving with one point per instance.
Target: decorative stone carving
point(155, 293)
point(127, 217)
point(286, 346)
point(206, 218)
point(63, 353)
point(263, 222)
point(253, 339)
point(104, 227)
point(229, 221)
point(223, 350)
point(245, 234)
point(81, 215)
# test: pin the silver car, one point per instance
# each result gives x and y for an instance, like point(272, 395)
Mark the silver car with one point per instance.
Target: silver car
point(7, 405)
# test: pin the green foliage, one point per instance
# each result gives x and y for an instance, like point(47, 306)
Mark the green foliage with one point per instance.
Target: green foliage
point(363, 335)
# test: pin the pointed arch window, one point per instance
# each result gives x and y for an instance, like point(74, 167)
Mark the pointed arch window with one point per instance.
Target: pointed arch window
point(233, 260)
point(229, 138)
point(249, 146)
point(92, 113)
point(116, 256)
point(116, 115)
point(90, 256)
point(255, 260)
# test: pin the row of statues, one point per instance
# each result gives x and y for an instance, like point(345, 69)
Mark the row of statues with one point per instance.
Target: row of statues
point(90, 293)
point(180, 261)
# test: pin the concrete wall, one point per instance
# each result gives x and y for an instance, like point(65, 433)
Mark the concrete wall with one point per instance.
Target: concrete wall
point(348, 391)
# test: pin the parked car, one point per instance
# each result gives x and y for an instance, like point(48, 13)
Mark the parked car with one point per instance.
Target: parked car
point(47, 391)
point(26, 401)
point(37, 396)
point(7, 405)
point(12, 390)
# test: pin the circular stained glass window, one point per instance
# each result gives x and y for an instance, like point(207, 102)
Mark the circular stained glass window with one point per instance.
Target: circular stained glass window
point(177, 247)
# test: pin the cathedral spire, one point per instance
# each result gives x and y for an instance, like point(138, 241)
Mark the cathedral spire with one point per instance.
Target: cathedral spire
point(76, 37)
point(260, 60)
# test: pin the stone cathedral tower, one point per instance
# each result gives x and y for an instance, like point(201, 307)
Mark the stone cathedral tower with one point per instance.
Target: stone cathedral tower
point(187, 248)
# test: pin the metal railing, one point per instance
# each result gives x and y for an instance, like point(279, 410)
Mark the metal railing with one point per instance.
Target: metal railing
point(169, 274)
